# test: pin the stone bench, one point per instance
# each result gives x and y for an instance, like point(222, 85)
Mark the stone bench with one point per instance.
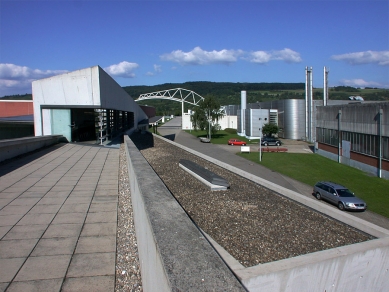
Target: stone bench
point(208, 177)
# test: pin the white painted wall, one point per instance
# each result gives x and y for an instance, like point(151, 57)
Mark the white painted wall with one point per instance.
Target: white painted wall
point(225, 122)
point(90, 87)
point(228, 122)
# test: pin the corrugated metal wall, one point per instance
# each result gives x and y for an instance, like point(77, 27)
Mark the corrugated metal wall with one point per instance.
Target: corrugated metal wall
point(356, 117)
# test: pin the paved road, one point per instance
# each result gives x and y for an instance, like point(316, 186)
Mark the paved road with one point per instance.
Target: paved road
point(225, 153)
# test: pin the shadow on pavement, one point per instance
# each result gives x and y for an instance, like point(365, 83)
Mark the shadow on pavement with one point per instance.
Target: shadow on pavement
point(14, 163)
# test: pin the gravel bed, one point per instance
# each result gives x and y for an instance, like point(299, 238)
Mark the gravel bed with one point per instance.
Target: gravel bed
point(254, 224)
point(128, 277)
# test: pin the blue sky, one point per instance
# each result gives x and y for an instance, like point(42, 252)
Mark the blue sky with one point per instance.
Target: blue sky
point(155, 42)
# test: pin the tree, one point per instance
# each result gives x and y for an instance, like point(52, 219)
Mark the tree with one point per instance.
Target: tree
point(207, 115)
point(269, 129)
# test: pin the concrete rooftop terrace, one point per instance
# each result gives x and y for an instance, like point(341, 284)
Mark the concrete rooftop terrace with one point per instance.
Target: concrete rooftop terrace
point(58, 219)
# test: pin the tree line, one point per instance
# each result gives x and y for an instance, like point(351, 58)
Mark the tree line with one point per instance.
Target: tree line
point(228, 93)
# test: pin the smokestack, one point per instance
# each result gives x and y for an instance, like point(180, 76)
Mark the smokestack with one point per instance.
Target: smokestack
point(325, 87)
point(243, 100)
point(308, 103)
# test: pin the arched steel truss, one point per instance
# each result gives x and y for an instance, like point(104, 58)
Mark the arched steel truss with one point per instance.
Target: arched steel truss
point(177, 94)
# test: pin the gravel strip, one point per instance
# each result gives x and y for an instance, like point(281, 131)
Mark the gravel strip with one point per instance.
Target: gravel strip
point(128, 277)
point(254, 224)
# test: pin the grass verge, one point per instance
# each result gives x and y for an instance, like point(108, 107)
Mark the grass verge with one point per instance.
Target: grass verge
point(221, 137)
point(311, 168)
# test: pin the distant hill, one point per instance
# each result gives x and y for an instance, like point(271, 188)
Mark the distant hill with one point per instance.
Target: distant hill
point(228, 93)
point(17, 97)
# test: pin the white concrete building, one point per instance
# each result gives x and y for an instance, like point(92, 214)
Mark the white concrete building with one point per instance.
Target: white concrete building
point(86, 104)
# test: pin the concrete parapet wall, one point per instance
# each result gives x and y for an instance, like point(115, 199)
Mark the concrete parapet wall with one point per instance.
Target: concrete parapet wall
point(15, 147)
point(358, 267)
point(174, 255)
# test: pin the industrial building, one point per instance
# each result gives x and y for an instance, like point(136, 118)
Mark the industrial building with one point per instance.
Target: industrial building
point(16, 119)
point(352, 132)
point(355, 134)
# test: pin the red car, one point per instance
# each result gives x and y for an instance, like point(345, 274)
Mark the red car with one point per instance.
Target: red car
point(236, 142)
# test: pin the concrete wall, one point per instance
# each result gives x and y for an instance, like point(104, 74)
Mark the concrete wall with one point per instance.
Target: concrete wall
point(174, 255)
point(91, 87)
point(15, 147)
point(357, 267)
point(360, 267)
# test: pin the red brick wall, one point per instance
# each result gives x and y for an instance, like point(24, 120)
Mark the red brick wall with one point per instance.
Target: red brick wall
point(16, 108)
point(372, 161)
point(328, 148)
point(369, 160)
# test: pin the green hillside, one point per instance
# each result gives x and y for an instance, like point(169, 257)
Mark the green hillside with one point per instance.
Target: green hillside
point(228, 93)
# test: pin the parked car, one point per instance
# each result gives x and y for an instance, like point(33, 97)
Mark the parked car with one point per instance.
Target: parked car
point(236, 142)
point(338, 195)
point(268, 141)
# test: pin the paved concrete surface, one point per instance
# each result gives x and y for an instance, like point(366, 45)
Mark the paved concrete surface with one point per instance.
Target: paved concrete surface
point(58, 219)
point(225, 153)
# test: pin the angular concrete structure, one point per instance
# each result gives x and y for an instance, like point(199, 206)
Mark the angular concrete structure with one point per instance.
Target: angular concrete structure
point(68, 104)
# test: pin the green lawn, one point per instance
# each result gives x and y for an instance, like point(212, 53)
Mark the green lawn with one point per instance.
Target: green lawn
point(310, 168)
point(221, 137)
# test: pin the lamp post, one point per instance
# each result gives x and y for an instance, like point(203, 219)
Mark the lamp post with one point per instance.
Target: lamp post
point(209, 124)
point(260, 149)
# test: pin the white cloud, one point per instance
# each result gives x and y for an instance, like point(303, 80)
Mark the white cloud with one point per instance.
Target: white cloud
point(200, 57)
point(260, 57)
point(15, 72)
point(286, 55)
point(123, 69)
point(16, 79)
point(367, 57)
point(360, 83)
point(157, 69)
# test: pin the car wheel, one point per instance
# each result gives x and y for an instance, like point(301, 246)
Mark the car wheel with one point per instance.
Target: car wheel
point(341, 206)
point(278, 144)
point(244, 144)
point(318, 196)
point(265, 144)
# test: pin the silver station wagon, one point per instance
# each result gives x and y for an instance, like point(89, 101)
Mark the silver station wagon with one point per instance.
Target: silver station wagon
point(338, 195)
